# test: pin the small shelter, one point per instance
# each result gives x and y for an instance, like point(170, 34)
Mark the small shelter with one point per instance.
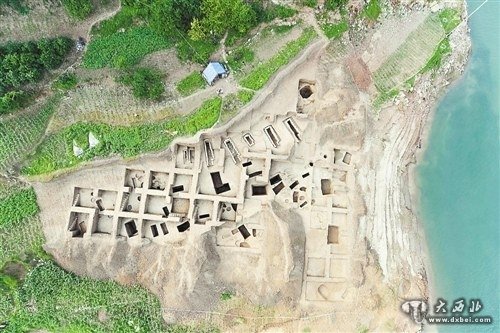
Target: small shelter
point(214, 71)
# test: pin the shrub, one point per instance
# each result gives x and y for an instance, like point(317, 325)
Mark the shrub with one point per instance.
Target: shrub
point(12, 101)
point(334, 31)
point(197, 51)
point(310, 3)
point(278, 11)
point(79, 9)
point(122, 20)
point(146, 83)
point(335, 4)
point(190, 84)
point(17, 5)
point(226, 296)
point(66, 81)
point(372, 10)
point(240, 57)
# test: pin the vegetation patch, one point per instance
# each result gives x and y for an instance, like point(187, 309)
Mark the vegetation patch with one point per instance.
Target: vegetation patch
point(17, 206)
point(240, 57)
point(56, 151)
point(54, 300)
point(79, 9)
point(146, 83)
point(435, 61)
point(384, 97)
point(19, 134)
point(335, 4)
point(372, 10)
point(190, 84)
point(233, 102)
point(450, 19)
point(334, 31)
point(66, 81)
point(259, 77)
point(23, 63)
point(123, 49)
point(124, 19)
point(310, 3)
point(17, 5)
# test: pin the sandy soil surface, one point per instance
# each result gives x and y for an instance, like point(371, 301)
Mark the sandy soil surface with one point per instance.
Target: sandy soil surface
point(388, 248)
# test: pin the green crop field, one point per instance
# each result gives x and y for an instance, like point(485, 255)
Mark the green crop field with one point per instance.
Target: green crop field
point(123, 49)
point(190, 84)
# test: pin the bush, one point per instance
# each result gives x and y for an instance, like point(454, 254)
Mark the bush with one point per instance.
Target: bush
point(66, 81)
point(12, 101)
point(240, 57)
point(310, 3)
point(123, 49)
point(335, 4)
point(79, 9)
point(190, 84)
point(196, 51)
point(17, 5)
point(146, 83)
point(278, 11)
point(17, 206)
point(372, 10)
point(122, 20)
point(334, 31)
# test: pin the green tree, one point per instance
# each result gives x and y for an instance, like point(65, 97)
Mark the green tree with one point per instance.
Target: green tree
point(218, 16)
point(146, 83)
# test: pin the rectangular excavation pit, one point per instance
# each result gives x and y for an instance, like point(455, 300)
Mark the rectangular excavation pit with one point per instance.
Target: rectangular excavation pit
point(293, 128)
point(249, 140)
point(163, 227)
point(326, 186)
point(184, 156)
point(340, 200)
point(347, 158)
point(258, 190)
point(154, 230)
point(108, 199)
point(340, 175)
point(272, 136)
point(233, 151)
point(78, 223)
point(333, 234)
point(180, 206)
point(181, 183)
point(104, 224)
point(277, 189)
point(155, 204)
point(184, 226)
point(128, 226)
point(338, 268)
point(219, 186)
point(134, 178)
point(83, 197)
point(246, 164)
point(255, 174)
point(131, 202)
point(208, 152)
point(294, 184)
point(244, 231)
point(275, 179)
point(158, 180)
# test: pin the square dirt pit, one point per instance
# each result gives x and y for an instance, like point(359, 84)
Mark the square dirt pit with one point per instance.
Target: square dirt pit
point(184, 156)
point(339, 219)
point(122, 231)
point(316, 267)
point(227, 212)
point(79, 222)
point(340, 200)
point(184, 180)
point(155, 204)
point(104, 225)
point(158, 180)
point(204, 207)
point(84, 197)
point(132, 203)
point(338, 268)
point(108, 199)
point(180, 206)
point(134, 178)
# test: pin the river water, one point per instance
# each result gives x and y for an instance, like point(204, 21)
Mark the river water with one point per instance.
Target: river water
point(459, 179)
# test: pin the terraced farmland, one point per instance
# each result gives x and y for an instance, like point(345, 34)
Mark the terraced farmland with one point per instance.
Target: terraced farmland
point(109, 104)
point(411, 56)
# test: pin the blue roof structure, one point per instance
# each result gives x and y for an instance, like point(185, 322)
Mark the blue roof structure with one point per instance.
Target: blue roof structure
point(213, 70)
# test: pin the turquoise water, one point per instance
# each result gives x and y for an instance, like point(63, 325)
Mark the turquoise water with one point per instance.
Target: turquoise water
point(459, 179)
